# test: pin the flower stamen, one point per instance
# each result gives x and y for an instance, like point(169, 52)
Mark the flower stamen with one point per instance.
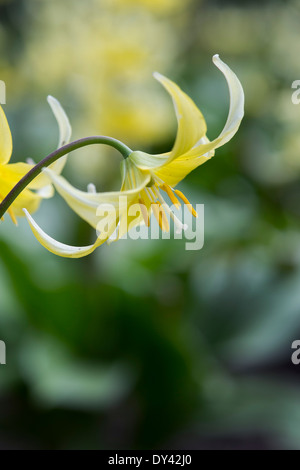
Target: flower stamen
point(178, 224)
point(187, 202)
point(144, 212)
point(171, 195)
point(160, 215)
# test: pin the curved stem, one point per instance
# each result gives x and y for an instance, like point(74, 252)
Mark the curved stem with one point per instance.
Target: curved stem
point(36, 170)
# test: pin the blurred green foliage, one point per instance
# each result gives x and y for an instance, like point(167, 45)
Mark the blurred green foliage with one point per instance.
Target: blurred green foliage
point(143, 344)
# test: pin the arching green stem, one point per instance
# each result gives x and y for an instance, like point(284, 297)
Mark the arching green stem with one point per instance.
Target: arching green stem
point(36, 170)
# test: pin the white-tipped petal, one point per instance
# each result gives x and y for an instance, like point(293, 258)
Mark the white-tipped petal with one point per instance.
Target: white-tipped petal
point(85, 204)
point(237, 101)
point(190, 120)
point(55, 247)
point(235, 114)
point(65, 131)
point(187, 132)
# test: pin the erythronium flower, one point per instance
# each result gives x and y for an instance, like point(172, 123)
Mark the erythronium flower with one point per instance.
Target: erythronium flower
point(11, 173)
point(144, 175)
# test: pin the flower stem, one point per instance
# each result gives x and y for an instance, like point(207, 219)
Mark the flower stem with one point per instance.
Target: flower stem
point(36, 170)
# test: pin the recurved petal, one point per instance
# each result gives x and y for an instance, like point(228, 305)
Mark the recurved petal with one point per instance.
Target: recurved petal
point(65, 129)
point(235, 115)
point(85, 204)
point(191, 123)
point(57, 248)
point(191, 127)
point(5, 139)
point(175, 171)
point(65, 133)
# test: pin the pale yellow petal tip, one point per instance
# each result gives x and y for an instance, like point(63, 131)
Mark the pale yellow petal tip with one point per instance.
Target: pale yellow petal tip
point(159, 77)
point(51, 99)
point(27, 215)
point(217, 61)
point(65, 129)
point(55, 247)
point(53, 103)
point(25, 211)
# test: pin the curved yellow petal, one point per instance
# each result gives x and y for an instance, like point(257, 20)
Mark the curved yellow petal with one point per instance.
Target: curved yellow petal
point(57, 248)
point(198, 150)
point(15, 171)
point(191, 123)
point(28, 200)
point(235, 115)
point(175, 171)
point(5, 139)
point(9, 177)
point(64, 126)
point(191, 127)
point(85, 204)
point(65, 133)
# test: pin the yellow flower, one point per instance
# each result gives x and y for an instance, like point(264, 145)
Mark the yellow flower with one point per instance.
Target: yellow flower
point(11, 173)
point(144, 175)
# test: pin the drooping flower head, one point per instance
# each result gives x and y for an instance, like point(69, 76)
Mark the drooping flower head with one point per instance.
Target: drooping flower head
point(11, 173)
point(145, 175)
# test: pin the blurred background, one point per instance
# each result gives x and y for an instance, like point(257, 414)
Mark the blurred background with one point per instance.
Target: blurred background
point(143, 344)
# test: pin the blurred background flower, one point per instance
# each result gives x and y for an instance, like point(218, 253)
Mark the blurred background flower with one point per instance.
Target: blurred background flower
point(143, 344)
